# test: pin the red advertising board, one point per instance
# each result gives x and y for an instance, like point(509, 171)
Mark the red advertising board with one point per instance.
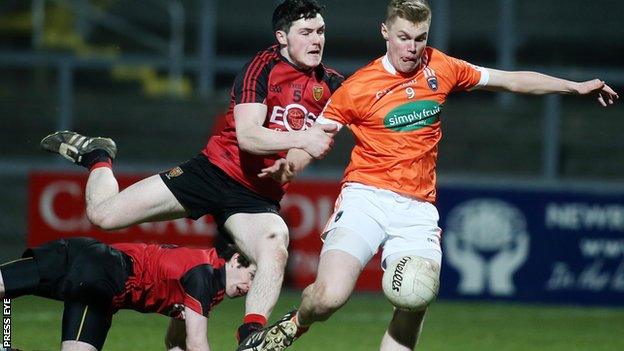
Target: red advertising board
point(57, 209)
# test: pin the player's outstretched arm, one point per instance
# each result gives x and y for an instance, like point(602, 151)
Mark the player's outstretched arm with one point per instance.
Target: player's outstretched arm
point(196, 328)
point(526, 82)
point(254, 138)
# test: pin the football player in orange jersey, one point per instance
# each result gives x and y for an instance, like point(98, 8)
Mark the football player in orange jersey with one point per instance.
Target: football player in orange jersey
point(392, 106)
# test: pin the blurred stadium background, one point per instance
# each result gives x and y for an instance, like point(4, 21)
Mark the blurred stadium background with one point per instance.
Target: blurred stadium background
point(155, 74)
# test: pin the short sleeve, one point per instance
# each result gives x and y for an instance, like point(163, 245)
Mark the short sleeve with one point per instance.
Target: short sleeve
point(467, 76)
point(334, 80)
point(199, 289)
point(339, 108)
point(250, 85)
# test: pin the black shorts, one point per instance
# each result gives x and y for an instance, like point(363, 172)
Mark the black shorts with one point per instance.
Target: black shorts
point(203, 188)
point(80, 269)
point(85, 274)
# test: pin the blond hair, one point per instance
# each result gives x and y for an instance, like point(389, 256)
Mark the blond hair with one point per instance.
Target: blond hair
point(415, 11)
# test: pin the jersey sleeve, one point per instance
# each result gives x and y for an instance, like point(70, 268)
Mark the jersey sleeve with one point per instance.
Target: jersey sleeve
point(334, 80)
point(199, 289)
point(467, 76)
point(339, 108)
point(251, 84)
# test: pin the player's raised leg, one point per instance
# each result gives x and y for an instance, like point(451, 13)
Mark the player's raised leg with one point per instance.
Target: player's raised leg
point(148, 200)
point(80, 149)
point(331, 289)
point(263, 238)
point(107, 208)
point(352, 237)
point(410, 282)
point(321, 299)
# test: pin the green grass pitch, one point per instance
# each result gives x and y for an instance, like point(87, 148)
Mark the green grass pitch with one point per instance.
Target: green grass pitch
point(359, 326)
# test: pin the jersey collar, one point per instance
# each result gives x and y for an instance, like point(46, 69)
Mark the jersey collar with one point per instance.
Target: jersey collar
point(388, 66)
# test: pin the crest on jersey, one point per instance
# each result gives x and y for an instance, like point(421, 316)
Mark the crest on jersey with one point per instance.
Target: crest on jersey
point(292, 117)
point(317, 92)
point(175, 172)
point(295, 119)
point(433, 83)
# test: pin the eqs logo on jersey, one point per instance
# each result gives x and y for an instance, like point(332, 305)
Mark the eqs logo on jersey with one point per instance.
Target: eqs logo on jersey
point(293, 117)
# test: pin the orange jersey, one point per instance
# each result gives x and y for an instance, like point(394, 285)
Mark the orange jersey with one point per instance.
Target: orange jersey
point(396, 120)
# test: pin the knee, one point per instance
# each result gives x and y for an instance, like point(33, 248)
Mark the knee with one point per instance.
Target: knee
point(278, 237)
point(274, 246)
point(326, 300)
point(274, 255)
point(101, 219)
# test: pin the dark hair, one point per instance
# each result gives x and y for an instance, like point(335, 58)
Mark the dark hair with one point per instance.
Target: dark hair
point(226, 252)
point(291, 10)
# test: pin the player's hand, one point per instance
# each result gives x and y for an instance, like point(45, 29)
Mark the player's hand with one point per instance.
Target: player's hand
point(606, 96)
point(320, 139)
point(281, 171)
point(330, 128)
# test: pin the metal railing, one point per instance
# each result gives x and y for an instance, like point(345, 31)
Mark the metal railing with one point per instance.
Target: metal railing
point(206, 63)
point(172, 48)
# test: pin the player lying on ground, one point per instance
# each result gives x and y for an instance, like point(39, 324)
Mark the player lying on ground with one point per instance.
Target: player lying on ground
point(275, 99)
point(96, 280)
point(393, 107)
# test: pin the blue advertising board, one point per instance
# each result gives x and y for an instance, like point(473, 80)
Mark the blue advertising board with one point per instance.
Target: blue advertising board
point(532, 245)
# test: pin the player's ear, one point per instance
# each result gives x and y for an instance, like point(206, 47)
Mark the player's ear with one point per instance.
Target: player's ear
point(234, 260)
point(384, 31)
point(280, 35)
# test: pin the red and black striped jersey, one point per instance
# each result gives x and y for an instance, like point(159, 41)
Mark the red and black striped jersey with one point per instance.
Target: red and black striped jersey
point(167, 278)
point(294, 100)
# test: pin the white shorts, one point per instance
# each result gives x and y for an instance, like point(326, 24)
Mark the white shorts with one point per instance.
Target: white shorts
point(370, 217)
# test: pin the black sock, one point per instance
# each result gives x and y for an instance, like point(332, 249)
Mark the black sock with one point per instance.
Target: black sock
point(89, 159)
point(247, 329)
